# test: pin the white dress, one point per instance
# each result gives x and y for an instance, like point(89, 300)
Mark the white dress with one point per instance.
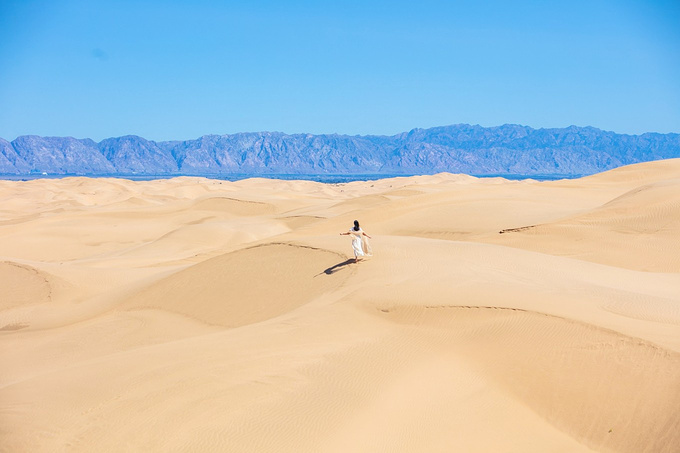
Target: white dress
point(360, 243)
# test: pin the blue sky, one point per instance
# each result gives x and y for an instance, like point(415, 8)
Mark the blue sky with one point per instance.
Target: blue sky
point(181, 69)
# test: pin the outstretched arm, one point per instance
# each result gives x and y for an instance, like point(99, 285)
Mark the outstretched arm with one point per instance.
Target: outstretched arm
point(346, 233)
point(364, 233)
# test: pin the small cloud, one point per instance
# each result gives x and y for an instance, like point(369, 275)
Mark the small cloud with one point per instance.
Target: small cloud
point(99, 54)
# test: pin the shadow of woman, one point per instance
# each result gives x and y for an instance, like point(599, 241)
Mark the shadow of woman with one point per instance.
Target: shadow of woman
point(337, 267)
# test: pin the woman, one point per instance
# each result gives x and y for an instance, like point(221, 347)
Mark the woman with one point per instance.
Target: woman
point(360, 244)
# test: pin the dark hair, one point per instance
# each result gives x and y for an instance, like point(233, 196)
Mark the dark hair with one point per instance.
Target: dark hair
point(356, 225)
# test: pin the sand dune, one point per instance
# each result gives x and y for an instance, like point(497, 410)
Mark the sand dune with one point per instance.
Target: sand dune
point(199, 315)
point(243, 287)
point(22, 285)
point(643, 220)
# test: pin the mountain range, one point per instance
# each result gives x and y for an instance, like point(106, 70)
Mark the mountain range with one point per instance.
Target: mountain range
point(462, 148)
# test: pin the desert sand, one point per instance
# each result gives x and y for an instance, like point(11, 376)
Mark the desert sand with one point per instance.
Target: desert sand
point(200, 315)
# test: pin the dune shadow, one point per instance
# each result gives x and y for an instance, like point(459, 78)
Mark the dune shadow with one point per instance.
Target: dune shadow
point(335, 268)
point(13, 326)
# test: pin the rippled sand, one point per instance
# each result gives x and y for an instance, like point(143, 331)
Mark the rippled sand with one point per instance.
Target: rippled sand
point(199, 315)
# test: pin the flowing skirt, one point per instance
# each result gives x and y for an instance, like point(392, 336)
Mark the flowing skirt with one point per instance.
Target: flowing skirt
point(361, 246)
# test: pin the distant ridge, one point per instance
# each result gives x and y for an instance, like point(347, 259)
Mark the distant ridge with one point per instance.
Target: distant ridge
point(461, 148)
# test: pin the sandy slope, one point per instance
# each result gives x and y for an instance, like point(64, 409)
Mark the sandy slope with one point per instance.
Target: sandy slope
point(199, 315)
